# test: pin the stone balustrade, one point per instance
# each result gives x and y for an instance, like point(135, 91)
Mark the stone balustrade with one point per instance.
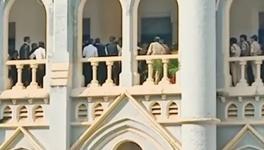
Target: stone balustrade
point(32, 67)
point(251, 65)
point(110, 62)
point(158, 68)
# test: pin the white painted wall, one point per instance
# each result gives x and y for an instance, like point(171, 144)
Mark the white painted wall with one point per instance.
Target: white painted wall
point(159, 8)
point(29, 16)
point(244, 17)
point(106, 18)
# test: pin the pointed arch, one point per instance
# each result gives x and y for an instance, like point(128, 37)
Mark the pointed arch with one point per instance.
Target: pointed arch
point(231, 111)
point(7, 113)
point(38, 113)
point(82, 112)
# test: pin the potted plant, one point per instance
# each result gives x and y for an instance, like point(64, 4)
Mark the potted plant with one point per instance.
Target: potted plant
point(173, 67)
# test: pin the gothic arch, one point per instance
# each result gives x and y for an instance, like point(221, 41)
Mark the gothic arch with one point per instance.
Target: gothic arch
point(117, 147)
point(113, 135)
point(46, 5)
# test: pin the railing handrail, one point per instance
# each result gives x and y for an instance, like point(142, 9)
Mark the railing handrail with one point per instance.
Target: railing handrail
point(102, 59)
point(246, 58)
point(25, 62)
point(153, 57)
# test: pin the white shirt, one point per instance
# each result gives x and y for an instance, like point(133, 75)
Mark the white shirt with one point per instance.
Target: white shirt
point(235, 50)
point(39, 53)
point(90, 51)
point(255, 49)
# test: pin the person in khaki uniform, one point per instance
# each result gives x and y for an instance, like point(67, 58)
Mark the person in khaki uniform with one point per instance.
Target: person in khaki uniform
point(255, 50)
point(235, 51)
point(156, 48)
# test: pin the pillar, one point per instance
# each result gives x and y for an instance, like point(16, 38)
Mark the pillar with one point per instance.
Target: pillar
point(129, 75)
point(59, 106)
point(198, 73)
point(2, 59)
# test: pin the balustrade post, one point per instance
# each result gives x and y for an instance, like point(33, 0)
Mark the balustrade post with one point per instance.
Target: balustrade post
point(33, 84)
point(149, 80)
point(19, 84)
point(165, 79)
point(257, 76)
point(109, 81)
point(243, 81)
point(94, 82)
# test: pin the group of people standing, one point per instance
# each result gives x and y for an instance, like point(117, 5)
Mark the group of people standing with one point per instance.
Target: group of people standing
point(244, 48)
point(26, 52)
point(94, 48)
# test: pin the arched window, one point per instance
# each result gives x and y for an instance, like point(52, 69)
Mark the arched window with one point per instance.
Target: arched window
point(129, 146)
point(173, 110)
point(98, 20)
point(98, 110)
point(38, 113)
point(232, 111)
point(158, 22)
point(156, 109)
point(243, 28)
point(26, 26)
point(82, 112)
point(22, 113)
point(249, 110)
point(7, 114)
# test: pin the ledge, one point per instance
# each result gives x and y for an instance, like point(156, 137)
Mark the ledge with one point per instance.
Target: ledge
point(117, 90)
point(24, 94)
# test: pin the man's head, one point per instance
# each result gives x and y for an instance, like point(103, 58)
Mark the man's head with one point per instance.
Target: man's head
point(254, 38)
point(157, 39)
point(34, 46)
point(243, 38)
point(41, 44)
point(27, 39)
point(91, 41)
point(112, 39)
point(97, 41)
point(233, 41)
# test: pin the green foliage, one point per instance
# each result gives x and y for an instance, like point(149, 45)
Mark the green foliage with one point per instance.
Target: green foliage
point(173, 66)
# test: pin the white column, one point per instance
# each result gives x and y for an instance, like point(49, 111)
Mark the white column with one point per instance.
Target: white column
point(129, 74)
point(59, 106)
point(2, 59)
point(198, 73)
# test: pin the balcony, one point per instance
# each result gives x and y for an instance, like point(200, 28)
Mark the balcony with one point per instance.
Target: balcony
point(249, 74)
point(147, 80)
point(25, 79)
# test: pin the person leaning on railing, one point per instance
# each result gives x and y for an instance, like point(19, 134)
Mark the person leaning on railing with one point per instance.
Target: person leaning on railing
point(39, 54)
point(255, 50)
point(156, 48)
point(24, 55)
point(245, 51)
point(235, 51)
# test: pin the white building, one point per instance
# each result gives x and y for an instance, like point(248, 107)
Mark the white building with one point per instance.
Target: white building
point(201, 111)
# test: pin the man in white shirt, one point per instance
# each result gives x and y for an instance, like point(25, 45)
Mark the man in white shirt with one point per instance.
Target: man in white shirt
point(90, 50)
point(40, 52)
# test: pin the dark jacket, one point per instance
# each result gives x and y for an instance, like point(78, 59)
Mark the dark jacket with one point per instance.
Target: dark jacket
point(100, 49)
point(112, 49)
point(24, 51)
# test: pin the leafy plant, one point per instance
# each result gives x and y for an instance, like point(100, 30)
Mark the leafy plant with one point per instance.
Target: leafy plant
point(173, 66)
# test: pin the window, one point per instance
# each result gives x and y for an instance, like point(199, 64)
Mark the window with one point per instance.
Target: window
point(98, 110)
point(82, 112)
point(7, 114)
point(173, 110)
point(38, 113)
point(23, 113)
point(249, 110)
point(155, 109)
point(232, 111)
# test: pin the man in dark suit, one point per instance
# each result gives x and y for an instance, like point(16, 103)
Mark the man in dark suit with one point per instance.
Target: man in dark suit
point(112, 50)
point(25, 49)
point(102, 66)
point(24, 53)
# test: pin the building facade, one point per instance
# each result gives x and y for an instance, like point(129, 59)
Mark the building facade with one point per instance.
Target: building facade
point(202, 110)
